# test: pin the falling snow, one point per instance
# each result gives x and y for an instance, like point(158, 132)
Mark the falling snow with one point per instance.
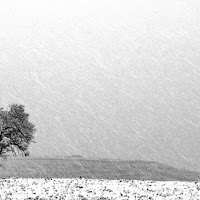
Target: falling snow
point(114, 79)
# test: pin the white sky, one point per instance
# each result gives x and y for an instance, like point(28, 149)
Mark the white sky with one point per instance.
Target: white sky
point(119, 78)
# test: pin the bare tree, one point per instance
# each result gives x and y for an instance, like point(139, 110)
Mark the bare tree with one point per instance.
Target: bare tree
point(16, 131)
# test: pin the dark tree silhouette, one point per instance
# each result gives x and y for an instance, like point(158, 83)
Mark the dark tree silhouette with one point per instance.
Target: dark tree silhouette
point(16, 131)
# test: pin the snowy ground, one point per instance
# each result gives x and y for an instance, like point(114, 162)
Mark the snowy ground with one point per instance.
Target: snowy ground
point(18, 188)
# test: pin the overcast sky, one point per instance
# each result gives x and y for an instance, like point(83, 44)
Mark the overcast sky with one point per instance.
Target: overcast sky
point(114, 79)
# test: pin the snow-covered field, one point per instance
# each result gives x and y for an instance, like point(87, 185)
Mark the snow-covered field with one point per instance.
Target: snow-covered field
point(19, 188)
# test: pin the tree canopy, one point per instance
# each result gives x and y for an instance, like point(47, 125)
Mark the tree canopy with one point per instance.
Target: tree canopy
point(16, 131)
